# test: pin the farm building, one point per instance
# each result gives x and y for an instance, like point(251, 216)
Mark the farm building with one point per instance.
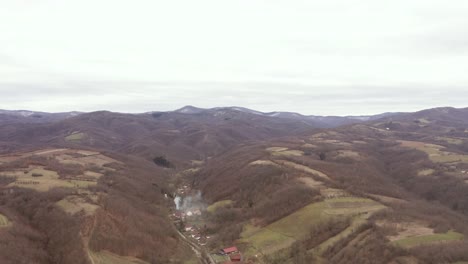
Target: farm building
point(229, 250)
point(235, 257)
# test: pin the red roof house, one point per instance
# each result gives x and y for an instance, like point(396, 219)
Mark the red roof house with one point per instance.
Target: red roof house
point(230, 250)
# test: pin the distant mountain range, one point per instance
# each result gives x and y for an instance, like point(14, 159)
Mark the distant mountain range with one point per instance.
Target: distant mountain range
point(319, 121)
point(26, 116)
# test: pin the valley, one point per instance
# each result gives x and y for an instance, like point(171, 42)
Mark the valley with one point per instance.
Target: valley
point(129, 189)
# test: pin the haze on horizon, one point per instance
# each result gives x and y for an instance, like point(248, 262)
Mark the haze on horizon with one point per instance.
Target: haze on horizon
point(312, 57)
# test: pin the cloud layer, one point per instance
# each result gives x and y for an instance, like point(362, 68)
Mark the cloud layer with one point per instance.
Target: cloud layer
point(314, 57)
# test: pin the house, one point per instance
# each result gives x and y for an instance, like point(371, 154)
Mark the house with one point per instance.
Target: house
point(197, 212)
point(236, 257)
point(229, 250)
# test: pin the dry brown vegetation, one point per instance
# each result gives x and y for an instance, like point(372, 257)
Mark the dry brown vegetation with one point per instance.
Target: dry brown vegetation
point(123, 211)
point(338, 164)
point(94, 203)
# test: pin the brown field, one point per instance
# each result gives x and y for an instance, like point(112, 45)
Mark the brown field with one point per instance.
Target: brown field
point(264, 162)
point(106, 257)
point(40, 179)
point(74, 204)
point(197, 162)
point(330, 193)
point(435, 152)
point(75, 137)
point(291, 152)
point(302, 168)
point(407, 229)
point(336, 142)
point(87, 152)
point(348, 154)
point(48, 180)
point(454, 141)
point(425, 172)
point(308, 145)
point(310, 182)
point(276, 149)
point(387, 199)
point(98, 160)
point(93, 174)
point(44, 152)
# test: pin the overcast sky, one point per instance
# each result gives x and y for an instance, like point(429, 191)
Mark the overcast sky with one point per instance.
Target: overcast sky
point(314, 57)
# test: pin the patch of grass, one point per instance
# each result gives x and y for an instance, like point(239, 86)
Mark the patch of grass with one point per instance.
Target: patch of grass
point(87, 152)
point(355, 224)
point(291, 152)
point(76, 136)
point(303, 168)
point(4, 221)
point(424, 121)
point(50, 151)
point(215, 206)
point(82, 184)
point(454, 141)
point(448, 157)
point(197, 162)
point(386, 199)
point(310, 182)
point(296, 226)
point(93, 174)
point(105, 257)
point(308, 145)
point(75, 204)
point(264, 162)
point(48, 180)
point(435, 152)
point(332, 192)
point(428, 239)
point(425, 172)
point(348, 154)
point(219, 258)
point(275, 149)
point(98, 160)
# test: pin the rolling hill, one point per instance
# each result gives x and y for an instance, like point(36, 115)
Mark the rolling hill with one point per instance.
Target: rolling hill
point(408, 172)
point(282, 187)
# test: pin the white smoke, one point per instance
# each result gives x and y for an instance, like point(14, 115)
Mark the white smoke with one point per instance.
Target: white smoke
point(177, 201)
point(190, 202)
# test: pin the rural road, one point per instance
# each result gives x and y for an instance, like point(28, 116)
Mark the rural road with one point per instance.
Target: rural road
point(198, 250)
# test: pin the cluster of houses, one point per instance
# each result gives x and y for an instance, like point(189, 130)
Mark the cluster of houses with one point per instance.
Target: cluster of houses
point(194, 233)
point(181, 217)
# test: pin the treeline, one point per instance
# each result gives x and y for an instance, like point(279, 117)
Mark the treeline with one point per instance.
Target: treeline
point(133, 219)
point(365, 245)
point(402, 165)
point(41, 232)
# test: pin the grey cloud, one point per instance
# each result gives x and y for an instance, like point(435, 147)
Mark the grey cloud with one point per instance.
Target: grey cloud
point(338, 57)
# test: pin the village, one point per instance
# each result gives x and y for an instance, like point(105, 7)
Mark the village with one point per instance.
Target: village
point(188, 218)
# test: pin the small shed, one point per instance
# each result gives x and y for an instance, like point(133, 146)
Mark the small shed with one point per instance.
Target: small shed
point(236, 257)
